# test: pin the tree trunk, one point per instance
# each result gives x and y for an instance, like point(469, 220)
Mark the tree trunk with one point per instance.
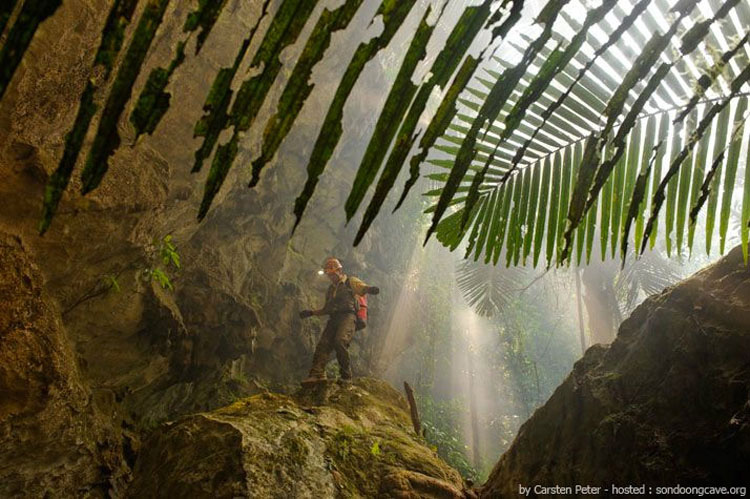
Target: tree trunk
point(473, 409)
point(580, 311)
point(601, 302)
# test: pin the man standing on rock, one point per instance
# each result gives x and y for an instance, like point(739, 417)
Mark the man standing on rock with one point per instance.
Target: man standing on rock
point(341, 306)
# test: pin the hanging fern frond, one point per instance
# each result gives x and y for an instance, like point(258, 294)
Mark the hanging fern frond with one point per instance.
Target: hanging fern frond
point(154, 100)
point(644, 276)
point(118, 18)
point(299, 87)
point(107, 138)
point(285, 27)
point(216, 105)
point(393, 14)
point(6, 10)
point(490, 110)
point(640, 69)
point(448, 109)
point(604, 122)
point(394, 109)
point(467, 28)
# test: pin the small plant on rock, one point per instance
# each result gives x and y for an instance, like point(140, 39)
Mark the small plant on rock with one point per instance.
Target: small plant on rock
point(164, 255)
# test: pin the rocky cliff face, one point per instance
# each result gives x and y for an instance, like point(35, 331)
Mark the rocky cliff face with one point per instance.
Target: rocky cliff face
point(665, 404)
point(56, 439)
point(243, 277)
point(359, 443)
point(134, 355)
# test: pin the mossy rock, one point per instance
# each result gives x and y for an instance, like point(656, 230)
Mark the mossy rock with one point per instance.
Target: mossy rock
point(358, 444)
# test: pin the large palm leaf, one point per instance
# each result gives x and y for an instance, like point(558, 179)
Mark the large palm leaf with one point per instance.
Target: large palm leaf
point(644, 277)
point(489, 289)
point(576, 152)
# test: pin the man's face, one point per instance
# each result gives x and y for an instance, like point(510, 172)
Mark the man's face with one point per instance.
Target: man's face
point(334, 275)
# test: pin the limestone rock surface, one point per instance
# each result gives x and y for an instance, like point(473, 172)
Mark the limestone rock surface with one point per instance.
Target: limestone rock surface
point(54, 438)
point(665, 404)
point(98, 366)
point(358, 443)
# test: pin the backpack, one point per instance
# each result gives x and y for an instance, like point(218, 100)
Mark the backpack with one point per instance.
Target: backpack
point(360, 308)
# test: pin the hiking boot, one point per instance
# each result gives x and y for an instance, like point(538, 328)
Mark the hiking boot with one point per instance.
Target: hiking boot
point(312, 380)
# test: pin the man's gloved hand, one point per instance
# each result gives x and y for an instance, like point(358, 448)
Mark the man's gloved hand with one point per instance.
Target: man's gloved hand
point(373, 290)
point(305, 314)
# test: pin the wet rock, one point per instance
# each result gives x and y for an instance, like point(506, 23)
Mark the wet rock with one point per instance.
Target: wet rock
point(666, 403)
point(358, 444)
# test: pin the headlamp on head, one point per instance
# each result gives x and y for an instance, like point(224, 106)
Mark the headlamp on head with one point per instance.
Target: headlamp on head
point(331, 265)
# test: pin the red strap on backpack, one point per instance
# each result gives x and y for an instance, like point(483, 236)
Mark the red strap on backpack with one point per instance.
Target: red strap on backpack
point(360, 307)
point(361, 311)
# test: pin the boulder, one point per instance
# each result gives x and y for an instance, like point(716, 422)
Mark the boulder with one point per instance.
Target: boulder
point(665, 404)
point(359, 443)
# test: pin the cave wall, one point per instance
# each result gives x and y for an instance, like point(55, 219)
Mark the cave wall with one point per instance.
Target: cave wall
point(144, 354)
point(45, 404)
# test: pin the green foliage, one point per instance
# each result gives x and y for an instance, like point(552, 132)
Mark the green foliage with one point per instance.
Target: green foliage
point(111, 282)
point(644, 277)
point(216, 105)
point(536, 349)
point(488, 289)
point(204, 17)
point(395, 107)
point(168, 252)
point(348, 450)
point(6, 9)
point(440, 420)
point(164, 252)
point(677, 163)
point(60, 178)
point(298, 87)
point(393, 14)
point(285, 27)
point(284, 30)
point(516, 363)
point(160, 277)
point(513, 110)
point(487, 114)
point(113, 34)
point(120, 15)
point(220, 165)
point(622, 167)
point(463, 34)
point(153, 102)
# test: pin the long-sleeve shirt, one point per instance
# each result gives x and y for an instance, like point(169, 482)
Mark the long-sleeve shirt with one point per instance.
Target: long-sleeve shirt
point(339, 297)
